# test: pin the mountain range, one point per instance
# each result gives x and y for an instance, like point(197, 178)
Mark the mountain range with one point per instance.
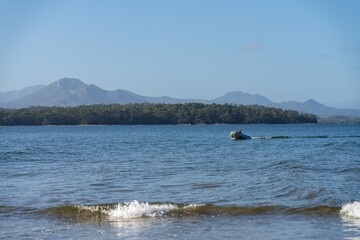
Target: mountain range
point(16, 94)
point(73, 92)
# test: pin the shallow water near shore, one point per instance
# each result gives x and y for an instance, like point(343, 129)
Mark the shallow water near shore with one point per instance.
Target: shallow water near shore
point(183, 181)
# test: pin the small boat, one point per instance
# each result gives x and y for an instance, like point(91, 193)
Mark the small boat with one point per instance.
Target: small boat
point(238, 135)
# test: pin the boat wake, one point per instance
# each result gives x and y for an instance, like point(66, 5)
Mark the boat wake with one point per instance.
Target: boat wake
point(299, 137)
point(271, 137)
point(286, 137)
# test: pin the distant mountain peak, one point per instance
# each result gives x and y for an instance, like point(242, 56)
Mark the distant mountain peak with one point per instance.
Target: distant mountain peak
point(312, 101)
point(69, 83)
point(68, 79)
point(239, 97)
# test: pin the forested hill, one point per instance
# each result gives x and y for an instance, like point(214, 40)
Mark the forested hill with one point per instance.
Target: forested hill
point(131, 114)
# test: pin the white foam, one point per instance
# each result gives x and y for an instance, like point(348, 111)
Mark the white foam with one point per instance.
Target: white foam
point(193, 205)
point(135, 209)
point(351, 210)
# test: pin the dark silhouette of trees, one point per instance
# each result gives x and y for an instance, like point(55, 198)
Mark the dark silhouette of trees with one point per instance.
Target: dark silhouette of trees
point(131, 114)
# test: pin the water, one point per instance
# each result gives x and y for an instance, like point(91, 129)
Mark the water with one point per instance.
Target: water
point(182, 182)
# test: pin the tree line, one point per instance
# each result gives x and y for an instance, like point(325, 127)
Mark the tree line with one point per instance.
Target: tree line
point(132, 114)
point(340, 120)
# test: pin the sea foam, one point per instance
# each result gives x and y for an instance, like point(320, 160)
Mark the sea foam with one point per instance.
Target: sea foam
point(351, 210)
point(135, 209)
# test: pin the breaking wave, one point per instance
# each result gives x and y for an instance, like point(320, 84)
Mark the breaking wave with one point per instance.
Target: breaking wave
point(136, 209)
point(351, 210)
point(127, 210)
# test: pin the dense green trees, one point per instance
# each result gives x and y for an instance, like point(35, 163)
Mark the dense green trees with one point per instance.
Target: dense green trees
point(190, 113)
point(340, 120)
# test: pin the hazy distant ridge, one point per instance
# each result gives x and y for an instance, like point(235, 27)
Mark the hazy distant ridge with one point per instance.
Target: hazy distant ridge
point(74, 92)
point(312, 106)
point(16, 94)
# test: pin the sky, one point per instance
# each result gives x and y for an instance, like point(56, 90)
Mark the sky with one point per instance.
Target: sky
point(281, 49)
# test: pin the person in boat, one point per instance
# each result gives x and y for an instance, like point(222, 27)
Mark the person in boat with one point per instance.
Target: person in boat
point(239, 135)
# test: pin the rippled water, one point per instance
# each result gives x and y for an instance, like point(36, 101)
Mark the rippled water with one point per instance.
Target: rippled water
point(160, 182)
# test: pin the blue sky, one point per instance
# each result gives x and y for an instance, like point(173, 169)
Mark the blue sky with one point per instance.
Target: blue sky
point(284, 50)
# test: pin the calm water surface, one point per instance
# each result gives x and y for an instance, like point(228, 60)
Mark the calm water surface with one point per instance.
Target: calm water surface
point(184, 182)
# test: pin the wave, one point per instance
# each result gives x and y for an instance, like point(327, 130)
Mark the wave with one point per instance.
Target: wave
point(127, 210)
point(136, 209)
point(351, 210)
